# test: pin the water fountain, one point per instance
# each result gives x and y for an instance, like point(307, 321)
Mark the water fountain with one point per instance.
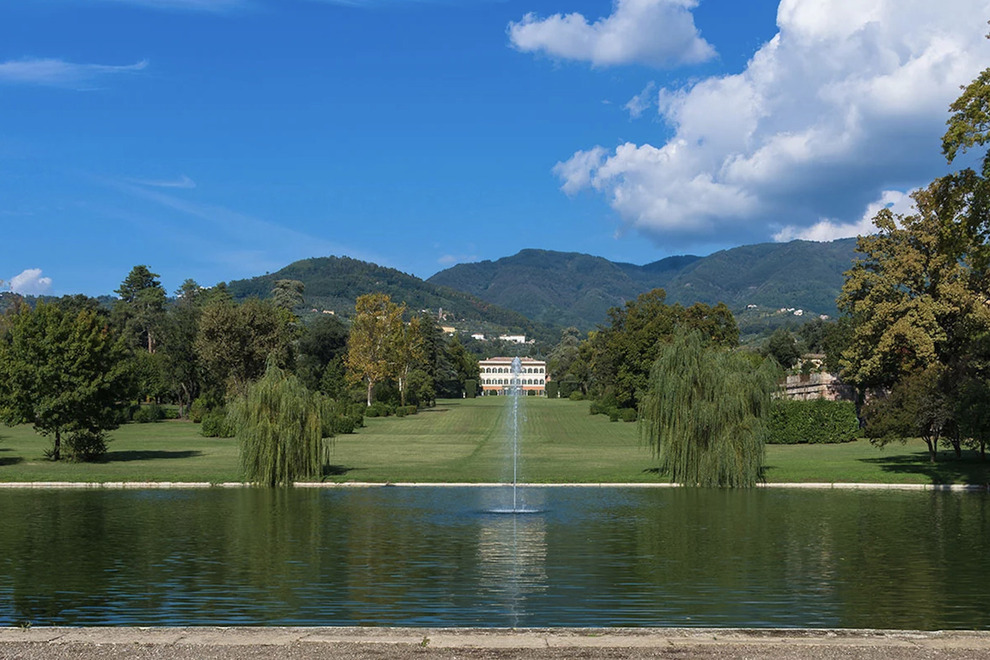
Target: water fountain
point(514, 393)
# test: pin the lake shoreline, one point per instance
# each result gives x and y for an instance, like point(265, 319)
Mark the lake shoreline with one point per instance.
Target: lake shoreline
point(523, 643)
point(164, 485)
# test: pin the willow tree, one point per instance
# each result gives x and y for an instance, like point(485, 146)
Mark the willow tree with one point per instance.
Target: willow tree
point(278, 424)
point(705, 413)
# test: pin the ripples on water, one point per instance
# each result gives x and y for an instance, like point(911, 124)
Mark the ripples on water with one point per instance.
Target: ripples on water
point(438, 557)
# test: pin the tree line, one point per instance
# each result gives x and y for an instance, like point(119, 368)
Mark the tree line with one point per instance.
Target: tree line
point(76, 369)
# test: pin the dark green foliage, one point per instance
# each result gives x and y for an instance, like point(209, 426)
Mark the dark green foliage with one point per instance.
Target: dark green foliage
point(278, 423)
point(419, 389)
point(322, 347)
point(578, 289)
point(85, 445)
point(620, 356)
point(553, 389)
point(149, 413)
point(379, 409)
point(334, 283)
point(288, 294)
point(65, 373)
point(783, 348)
point(470, 388)
point(818, 421)
point(919, 405)
point(236, 342)
point(706, 412)
point(402, 411)
point(216, 425)
point(141, 308)
point(628, 414)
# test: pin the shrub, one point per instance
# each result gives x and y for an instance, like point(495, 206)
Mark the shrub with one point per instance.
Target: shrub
point(198, 410)
point(613, 415)
point(595, 408)
point(379, 409)
point(470, 388)
point(85, 445)
point(576, 396)
point(627, 414)
point(817, 421)
point(216, 425)
point(149, 413)
point(553, 389)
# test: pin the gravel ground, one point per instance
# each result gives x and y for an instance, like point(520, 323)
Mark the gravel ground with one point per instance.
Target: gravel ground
point(447, 644)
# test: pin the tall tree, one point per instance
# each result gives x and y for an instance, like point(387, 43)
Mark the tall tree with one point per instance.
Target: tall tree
point(236, 342)
point(278, 425)
point(288, 294)
point(782, 347)
point(622, 353)
point(141, 307)
point(63, 372)
point(374, 339)
point(322, 346)
point(409, 353)
point(706, 413)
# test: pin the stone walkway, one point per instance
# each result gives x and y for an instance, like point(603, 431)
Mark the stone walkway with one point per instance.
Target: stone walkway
point(424, 644)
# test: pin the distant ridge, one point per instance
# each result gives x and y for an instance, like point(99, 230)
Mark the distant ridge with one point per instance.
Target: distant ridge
point(569, 288)
point(334, 283)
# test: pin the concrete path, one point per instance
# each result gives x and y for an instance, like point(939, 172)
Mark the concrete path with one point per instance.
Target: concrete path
point(425, 644)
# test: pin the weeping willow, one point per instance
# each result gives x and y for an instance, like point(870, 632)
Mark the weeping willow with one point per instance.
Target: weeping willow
point(705, 413)
point(278, 424)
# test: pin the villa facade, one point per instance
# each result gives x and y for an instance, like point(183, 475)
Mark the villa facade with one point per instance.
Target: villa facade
point(496, 375)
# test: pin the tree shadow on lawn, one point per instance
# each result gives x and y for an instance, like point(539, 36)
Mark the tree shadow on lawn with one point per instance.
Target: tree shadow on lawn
point(337, 470)
point(146, 455)
point(947, 470)
point(10, 460)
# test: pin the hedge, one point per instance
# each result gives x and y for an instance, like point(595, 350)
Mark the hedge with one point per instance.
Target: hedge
point(816, 421)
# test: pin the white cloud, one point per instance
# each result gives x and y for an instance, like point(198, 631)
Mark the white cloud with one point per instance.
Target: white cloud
point(830, 230)
point(847, 101)
point(59, 73)
point(183, 182)
point(30, 283)
point(642, 102)
point(652, 32)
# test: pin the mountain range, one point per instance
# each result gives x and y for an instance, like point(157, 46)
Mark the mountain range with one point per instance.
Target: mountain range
point(567, 288)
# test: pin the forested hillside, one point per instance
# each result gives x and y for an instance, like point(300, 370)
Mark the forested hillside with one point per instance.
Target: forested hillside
point(568, 288)
point(334, 283)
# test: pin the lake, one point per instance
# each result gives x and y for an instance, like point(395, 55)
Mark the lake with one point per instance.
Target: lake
point(436, 557)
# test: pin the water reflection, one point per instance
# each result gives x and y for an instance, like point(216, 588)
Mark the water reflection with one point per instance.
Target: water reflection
point(432, 557)
point(512, 554)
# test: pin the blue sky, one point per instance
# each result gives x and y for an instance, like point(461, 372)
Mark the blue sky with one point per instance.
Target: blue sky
point(220, 139)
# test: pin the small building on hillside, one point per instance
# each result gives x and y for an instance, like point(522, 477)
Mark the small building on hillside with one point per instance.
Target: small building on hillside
point(515, 339)
point(822, 385)
point(496, 375)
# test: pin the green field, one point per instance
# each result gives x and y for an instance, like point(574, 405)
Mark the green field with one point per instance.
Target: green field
point(468, 441)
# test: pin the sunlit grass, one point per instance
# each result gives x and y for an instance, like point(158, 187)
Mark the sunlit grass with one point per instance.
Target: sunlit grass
point(468, 441)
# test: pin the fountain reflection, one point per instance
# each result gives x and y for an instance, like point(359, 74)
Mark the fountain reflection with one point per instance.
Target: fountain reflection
point(512, 555)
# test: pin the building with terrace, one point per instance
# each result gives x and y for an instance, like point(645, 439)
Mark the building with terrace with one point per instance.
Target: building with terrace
point(496, 376)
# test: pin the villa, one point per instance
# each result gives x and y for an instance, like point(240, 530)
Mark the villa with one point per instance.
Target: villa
point(496, 375)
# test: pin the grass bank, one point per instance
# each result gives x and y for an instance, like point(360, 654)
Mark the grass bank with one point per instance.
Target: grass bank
point(468, 441)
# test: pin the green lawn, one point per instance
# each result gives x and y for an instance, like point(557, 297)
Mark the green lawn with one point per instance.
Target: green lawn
point(167, 451)
point(468, 441)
